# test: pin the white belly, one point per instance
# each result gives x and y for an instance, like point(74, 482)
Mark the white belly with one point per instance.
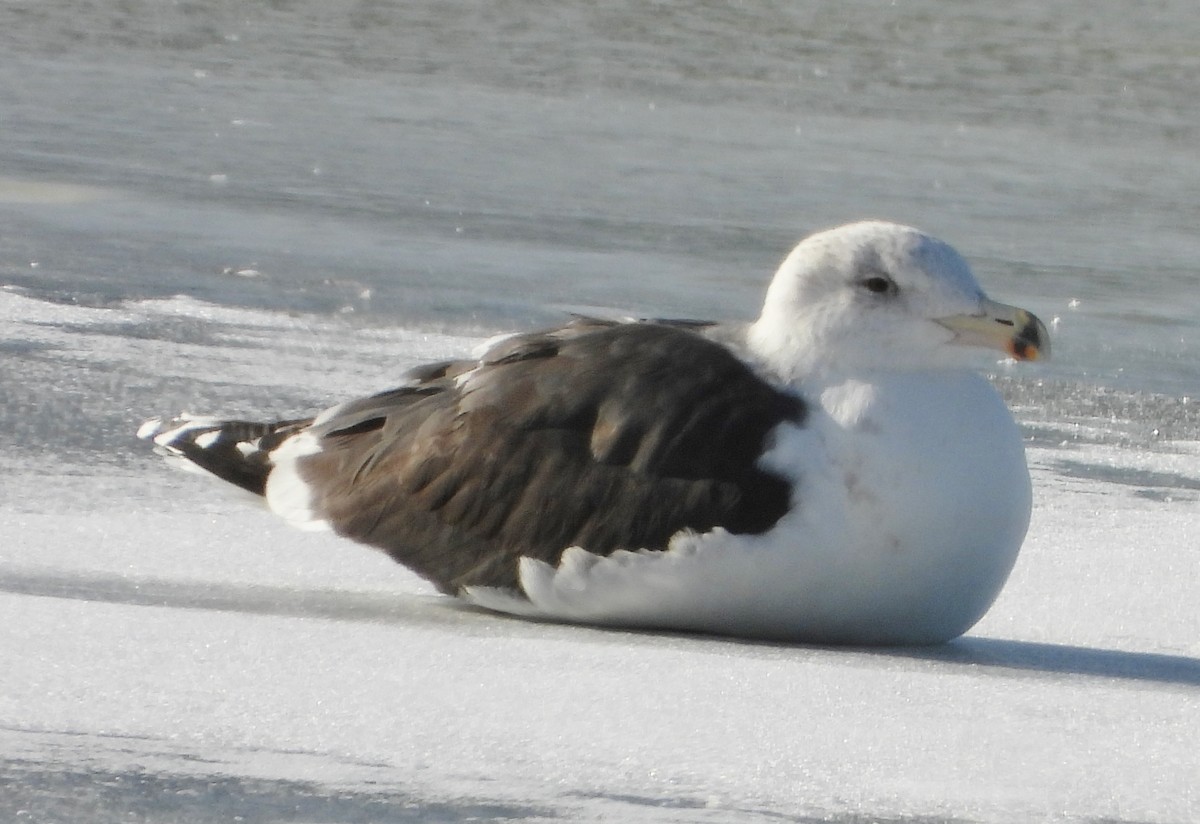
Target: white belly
point(913, 509)
point(911, 501)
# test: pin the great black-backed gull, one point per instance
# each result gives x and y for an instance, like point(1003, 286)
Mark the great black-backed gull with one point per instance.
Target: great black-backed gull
point(834, 471)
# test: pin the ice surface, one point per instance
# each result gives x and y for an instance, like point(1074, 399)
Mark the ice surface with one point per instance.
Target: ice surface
point(173, 653)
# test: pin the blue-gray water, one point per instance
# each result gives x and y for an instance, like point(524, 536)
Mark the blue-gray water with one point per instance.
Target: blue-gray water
point(482, 165)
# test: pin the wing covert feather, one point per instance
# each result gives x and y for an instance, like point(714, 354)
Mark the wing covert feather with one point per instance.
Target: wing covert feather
point(600, 435)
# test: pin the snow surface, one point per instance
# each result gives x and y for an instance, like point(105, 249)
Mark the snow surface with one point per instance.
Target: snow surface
point(173, 653)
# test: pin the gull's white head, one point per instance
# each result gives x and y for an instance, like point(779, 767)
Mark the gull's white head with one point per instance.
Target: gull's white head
point(875, 295)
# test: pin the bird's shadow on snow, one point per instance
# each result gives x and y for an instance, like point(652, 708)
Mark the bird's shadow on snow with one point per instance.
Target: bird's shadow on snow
point(992, 656)
point(987, 656)
point(1062, 659)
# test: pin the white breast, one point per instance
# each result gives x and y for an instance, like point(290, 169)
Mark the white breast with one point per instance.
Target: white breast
point(912, 506)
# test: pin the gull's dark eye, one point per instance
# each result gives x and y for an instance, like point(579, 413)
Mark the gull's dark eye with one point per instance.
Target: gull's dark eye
point(879, 285)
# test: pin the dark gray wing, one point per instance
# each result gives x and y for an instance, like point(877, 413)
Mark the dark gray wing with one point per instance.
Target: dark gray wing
point(601, 435)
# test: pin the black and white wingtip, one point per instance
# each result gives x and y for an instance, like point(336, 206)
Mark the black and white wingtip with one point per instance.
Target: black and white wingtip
point(235, 451)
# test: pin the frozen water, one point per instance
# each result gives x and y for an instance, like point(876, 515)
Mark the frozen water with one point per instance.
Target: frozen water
point(178, 654)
